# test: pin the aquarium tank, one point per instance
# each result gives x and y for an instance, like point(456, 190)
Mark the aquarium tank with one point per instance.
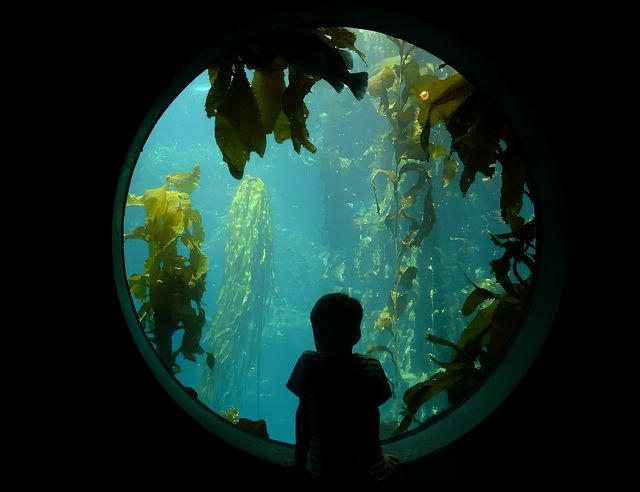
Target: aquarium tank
point(269, 181)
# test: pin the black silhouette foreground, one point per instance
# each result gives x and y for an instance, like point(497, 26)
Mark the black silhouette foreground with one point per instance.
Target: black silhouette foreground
point(338, 421)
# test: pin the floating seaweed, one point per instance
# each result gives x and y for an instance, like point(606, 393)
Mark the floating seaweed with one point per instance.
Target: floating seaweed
point(245, 114)
point(234, 336)
point(171, 283)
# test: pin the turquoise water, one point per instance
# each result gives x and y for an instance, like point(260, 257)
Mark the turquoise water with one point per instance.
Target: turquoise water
point(326, 236)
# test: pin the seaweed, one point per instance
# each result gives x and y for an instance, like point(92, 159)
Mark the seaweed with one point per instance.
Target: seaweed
point(420, 106)
point(257, 428)
point(479, 139)
point(483, 341)
point(234, 336)
point(171, 286)
point(477, 129)
point(245, 114)
point(407, 206)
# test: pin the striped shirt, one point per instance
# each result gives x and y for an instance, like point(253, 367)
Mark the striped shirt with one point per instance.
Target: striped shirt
point(343, 394)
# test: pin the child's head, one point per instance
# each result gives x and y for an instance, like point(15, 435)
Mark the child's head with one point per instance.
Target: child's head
point(335, 320)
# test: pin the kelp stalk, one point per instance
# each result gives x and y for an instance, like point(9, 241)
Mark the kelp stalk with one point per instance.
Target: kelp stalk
point(235, 334)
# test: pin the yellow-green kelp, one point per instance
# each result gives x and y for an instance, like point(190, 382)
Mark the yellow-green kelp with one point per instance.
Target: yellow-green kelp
point(246, 113)
point(171, 283)
point(235, 333)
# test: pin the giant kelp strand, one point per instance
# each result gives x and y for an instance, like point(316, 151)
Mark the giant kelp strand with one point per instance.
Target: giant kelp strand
point(404, 212)
point(171, 283)
point(479, 138)
point(235, 333)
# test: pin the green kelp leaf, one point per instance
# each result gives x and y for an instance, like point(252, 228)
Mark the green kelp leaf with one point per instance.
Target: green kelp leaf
point(192, 324)
point(174, 215)
point(411, 75)
point(185, 182)
point(420, 393)
point(389, 174)
point(138, 286)
point(476, 128)
point(447, 95)
point(135, 200)
point(475, 298)
point(381, 81)
point(231, 415)
point(526, 233)
point(397, 303)
point(453, 366)
point(513, 183)
point(450, 169)
point(404, 118)
point(392, 177)
point(238, 127)
point(390, 222)
point(443, 341)
point(296, 111)
point(197, 234)
point(339, 37)
point(438, 100)
point(137, 233)
point(199, 261)
point(500, 268)
point(155, 203)
point(409, 148)
point(409, 197)
point(256, 427)
point(406, 276)
point(478, 326)
point(420, 230)
point(219, 78)
point(504, 323)
point(437, 150)
point(384, 321)
point(381, 348)
point(282, 128)
point(268, 86)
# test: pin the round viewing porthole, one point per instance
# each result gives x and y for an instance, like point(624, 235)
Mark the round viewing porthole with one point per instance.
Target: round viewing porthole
point(293, 162)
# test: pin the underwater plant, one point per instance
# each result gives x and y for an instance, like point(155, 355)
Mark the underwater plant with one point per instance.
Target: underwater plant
point(425, 111)
point(484, 339)
point(480, 138)
point(245, 114)
point(234, 336)
point(405, 213)
point(171, 283)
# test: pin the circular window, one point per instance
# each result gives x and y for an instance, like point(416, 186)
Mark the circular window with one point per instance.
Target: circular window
point(306, 161)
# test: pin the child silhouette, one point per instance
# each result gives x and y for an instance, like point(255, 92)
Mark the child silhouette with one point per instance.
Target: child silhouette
point(338, 421)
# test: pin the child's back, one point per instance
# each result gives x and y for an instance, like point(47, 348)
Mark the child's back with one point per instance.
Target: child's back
point(338, 421)
point(343, 394)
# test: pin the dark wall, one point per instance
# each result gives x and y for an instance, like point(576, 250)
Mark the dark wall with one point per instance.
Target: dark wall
point(138, 433)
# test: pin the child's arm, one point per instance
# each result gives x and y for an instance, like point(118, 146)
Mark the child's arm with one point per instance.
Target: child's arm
point(302, 434)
